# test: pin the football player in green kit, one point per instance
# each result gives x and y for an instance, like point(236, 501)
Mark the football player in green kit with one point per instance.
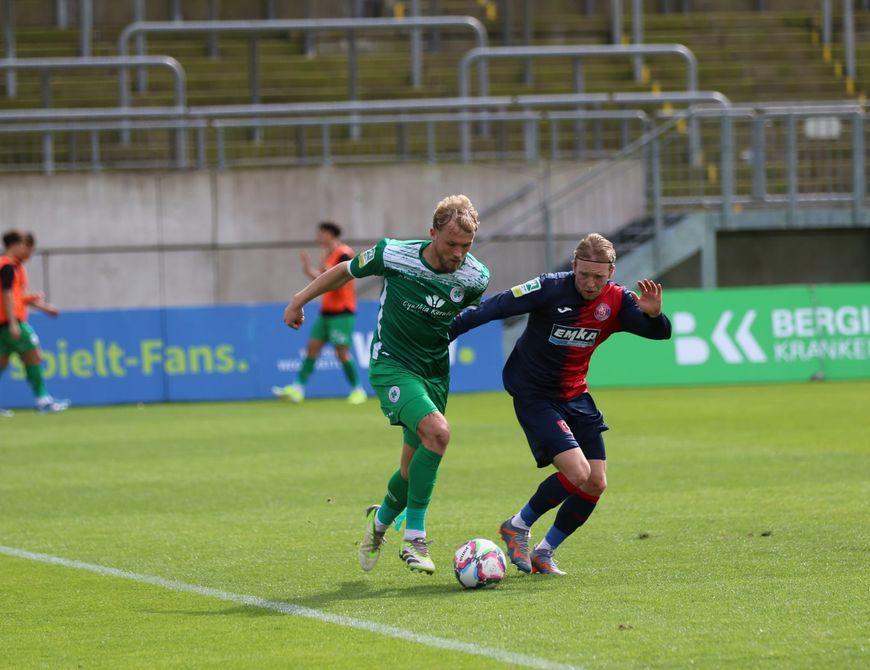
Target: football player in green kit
point(426, 284)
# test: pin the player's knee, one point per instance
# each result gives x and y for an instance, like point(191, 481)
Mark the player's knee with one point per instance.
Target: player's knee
point(434, 431)
point(595, 485)
point(578, 475)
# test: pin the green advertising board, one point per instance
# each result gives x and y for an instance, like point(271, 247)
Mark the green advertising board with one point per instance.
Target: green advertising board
point(776, 334)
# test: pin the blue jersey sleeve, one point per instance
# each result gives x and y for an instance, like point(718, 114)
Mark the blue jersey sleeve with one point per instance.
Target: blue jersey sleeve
point(520, 299)
point(634, 321)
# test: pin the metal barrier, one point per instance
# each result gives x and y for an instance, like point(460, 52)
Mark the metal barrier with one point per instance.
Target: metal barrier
point(577, 53)
point(45, 66)
point(254, 28)
point(462, 109)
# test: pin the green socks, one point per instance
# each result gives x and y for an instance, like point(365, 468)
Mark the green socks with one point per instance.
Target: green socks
point(421, 481)
point(306, 370)
point(36, 380)
point(351, 373)
point(395, 500)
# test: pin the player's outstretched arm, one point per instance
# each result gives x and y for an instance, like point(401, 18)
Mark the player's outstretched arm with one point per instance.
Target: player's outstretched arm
point(334, 278)
point(37, 301)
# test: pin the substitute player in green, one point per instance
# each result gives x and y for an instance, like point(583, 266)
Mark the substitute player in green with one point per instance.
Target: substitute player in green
point(426, 283)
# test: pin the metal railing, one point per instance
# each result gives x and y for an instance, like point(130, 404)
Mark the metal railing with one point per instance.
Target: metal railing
point(45, 67)
point(577, 53)
point(254, 28)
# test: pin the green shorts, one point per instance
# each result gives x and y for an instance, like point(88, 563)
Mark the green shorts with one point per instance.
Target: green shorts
point(407, 397)
point(337, 329)
point(27, 341)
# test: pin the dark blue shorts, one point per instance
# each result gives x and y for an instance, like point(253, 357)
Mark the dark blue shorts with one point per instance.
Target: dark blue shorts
point(554, 426)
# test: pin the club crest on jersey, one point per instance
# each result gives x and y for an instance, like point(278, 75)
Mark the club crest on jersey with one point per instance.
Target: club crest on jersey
point(564, 426)
point(529, 287)
point(457, 294)
point(394, 394)
point(602, 311)
point(566, 336)
point(366, 256)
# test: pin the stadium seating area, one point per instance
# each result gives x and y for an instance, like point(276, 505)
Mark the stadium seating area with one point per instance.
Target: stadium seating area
point(749, 56)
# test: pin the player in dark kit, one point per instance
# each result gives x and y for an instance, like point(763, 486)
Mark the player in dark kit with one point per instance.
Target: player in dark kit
point(570, 315)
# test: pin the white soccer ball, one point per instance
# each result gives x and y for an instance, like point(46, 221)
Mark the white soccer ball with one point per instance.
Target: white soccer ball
point(479, 563)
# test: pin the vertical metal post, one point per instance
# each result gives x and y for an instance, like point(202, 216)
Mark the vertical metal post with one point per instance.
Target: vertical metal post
point(141, 73)
point(352, 79)
point(416, 49)
point(327, 149)
point(180, 147)
point(709, 271)
point(849, 45)
point(530, 139)
point(826, 30)
point(859, 169)
point(791, 171)
point(309, 34)
point(48, 136)
point(175, 10)
point(589, 7)
point(434, 34)
point(95, 151)
point(213, 12)
point(200, 146)
point(616, 21)
point(219, 147)
point(86, 26)
point(9, 42)
point(465, 137)
point(759, 175)
point(579, 124)
point(430, 142)
point(507, 23)
point(658, 216)
point(269, 9)
point(528, 11)
point(727, 170)
point(254, 79)
point(637, 35)
point(61, 14)
point(665, 6)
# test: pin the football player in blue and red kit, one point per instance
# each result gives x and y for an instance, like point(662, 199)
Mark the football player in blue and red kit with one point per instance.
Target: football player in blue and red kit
point(570, 315)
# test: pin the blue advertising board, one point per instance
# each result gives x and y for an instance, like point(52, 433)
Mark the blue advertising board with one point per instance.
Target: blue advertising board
point(235, 352)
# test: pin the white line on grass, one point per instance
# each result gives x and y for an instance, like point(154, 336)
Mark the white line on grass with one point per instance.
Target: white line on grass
point(297, 610)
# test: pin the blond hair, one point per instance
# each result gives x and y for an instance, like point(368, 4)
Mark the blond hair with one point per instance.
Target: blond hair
point(595, 248)
point(458, 209)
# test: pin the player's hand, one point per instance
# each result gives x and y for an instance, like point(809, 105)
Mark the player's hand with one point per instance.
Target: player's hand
point(294, 316)
point(650, 298)
point(51, 310)
point(14, 330)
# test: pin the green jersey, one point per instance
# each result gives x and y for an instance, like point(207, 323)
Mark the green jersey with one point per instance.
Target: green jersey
point(418, 304)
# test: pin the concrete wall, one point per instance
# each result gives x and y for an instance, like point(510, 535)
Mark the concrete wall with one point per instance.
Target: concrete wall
point(209, 237)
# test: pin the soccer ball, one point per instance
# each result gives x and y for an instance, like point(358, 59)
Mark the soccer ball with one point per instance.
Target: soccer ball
point(479, 563)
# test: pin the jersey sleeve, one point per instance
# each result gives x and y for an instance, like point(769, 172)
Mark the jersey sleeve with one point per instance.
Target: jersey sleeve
point(7, 277)
point(370, 262)
point(634, 321)
point(521, 299)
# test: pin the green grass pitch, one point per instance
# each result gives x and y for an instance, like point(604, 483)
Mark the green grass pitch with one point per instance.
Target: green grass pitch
point(734, 534)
